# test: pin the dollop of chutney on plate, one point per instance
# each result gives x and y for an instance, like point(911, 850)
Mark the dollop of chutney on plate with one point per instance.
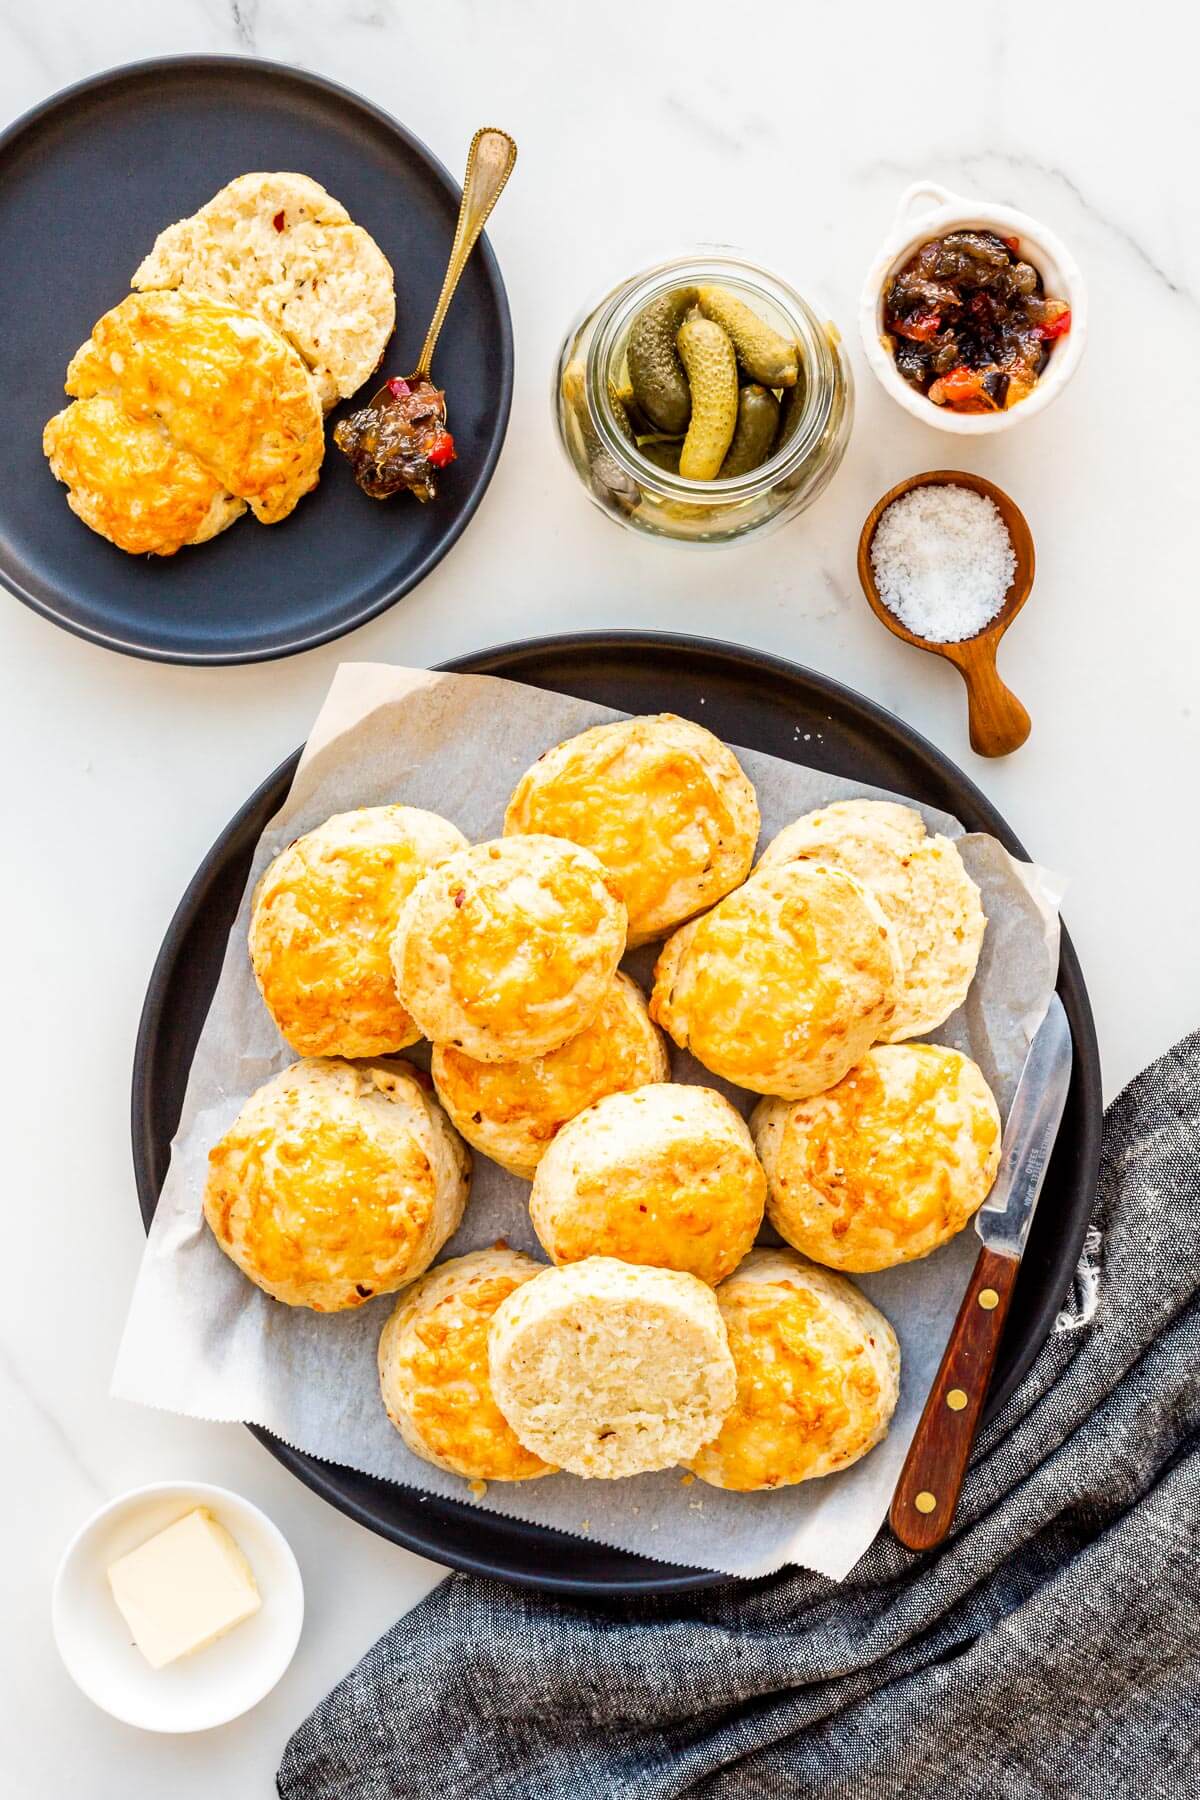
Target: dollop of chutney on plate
point(399, 440)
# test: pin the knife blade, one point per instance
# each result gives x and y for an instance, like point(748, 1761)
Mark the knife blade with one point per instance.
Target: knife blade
point(927, 1492)
point(1003, 1221)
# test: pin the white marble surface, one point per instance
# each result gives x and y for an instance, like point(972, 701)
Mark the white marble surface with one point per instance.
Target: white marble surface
point(788, 130)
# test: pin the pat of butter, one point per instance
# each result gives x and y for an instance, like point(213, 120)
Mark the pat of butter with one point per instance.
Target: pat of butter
point(183, 1588)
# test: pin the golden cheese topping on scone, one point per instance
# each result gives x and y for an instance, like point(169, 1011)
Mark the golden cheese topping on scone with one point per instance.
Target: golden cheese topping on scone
point(512, 1111)
point(322, 923)
point(129, 480)
point(784, 984)
point(277, 245)
point(818, 1375)
point(885, 1166)
point(433, 1368)
point(336, 1182)
point(666, 1175)
point(508, 949)
point(225, 386)
point(663, 803)
point(931, 903)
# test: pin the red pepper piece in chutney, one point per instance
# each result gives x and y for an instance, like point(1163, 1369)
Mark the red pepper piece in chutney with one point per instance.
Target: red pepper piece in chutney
point(1057, 326)
point(922, 327)
point(399, 441)
point(969, 322)
point(442, 450)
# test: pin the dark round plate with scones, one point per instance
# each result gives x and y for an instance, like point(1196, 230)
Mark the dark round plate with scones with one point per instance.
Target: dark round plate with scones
point(746, 697)
point(87, 182)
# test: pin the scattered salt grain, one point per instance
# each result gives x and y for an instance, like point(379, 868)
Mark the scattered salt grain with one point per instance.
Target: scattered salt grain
point(943, 561)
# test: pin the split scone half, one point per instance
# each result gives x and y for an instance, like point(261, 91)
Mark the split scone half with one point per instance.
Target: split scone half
point(337, 1181)
point(508, 949)
point(785, 984)
point(130, 482)
point(818, 1375)
point(186, 412)
point(433, 1367)
point(322, 922)
point(931, 903)
point(663, 803)
point(606, 1369)
point(513, 1111)
point(885, 1166)
point(666, 1175)
point(277, 245)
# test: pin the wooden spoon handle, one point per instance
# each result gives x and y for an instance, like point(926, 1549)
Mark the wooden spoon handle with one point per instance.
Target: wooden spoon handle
point(999, 723)
point(931, 1480)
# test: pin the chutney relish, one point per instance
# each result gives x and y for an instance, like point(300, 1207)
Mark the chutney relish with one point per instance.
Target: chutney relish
point(969, 322)
point(399, 441)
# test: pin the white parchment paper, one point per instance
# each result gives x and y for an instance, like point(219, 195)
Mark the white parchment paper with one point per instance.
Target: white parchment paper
point(201, 1339)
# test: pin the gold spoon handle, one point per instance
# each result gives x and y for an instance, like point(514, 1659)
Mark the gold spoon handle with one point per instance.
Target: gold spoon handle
point(489, 164)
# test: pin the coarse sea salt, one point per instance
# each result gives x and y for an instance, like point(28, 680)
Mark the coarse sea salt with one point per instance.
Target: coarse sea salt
point(943, 561)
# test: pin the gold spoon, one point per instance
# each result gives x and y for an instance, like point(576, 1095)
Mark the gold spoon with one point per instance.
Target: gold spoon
point(489, 164)
point(999, 723)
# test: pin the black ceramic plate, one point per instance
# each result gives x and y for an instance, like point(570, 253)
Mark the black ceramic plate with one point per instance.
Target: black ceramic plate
point(86, 183)
point(748, 698)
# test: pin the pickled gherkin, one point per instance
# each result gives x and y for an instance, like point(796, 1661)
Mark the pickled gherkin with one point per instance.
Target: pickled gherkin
point(663, 452)
point(754, 432)
point(763, 353)
point(711, 367)
point(656, 375)
point(609, 480)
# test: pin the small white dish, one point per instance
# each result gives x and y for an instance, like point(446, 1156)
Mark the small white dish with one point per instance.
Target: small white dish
point(926, 210)
point(213, 1685)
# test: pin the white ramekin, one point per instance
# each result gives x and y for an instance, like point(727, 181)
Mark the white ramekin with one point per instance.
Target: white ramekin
point(197, 1692)
point(926, 210)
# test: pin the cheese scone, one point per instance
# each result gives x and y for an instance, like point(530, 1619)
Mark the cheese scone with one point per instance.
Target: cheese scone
point(663, 803)
point(508, 949)
point(885, 1166)
point(433, 1367)
point(512, 1111)
point(321, 928)
point(931, 903)
point(818, 1375)
point(667, 1175)
point(277, 245)
point(132, 483)
point(607, 1369)
point(223, 385)
point(785, 984)
point(336, 1182)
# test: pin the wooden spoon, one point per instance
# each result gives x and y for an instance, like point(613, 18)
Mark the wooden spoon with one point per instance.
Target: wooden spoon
point(998, 722)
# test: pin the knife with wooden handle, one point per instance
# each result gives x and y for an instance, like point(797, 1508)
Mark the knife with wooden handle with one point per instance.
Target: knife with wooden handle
point(927, 1492)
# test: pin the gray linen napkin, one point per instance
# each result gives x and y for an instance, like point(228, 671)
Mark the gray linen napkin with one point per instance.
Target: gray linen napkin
point(1050, 1648)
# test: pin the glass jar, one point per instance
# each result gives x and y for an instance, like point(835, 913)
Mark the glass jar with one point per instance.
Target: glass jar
point(626, 484)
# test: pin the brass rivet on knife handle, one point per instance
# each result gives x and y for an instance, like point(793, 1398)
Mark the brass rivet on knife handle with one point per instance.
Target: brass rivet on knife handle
point(932, 1477)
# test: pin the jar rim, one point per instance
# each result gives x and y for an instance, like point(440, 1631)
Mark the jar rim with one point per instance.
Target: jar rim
point(714, 263)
